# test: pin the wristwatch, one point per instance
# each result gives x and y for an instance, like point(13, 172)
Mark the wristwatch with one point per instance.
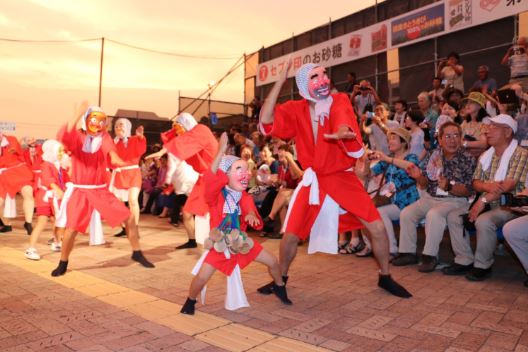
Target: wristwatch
point(483, 200)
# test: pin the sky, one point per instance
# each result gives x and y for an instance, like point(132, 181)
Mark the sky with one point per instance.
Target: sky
point(43, 82)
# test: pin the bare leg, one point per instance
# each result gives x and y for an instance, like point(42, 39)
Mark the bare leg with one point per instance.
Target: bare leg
point(380, 244)
point(272, 263)
point(282, 215)
point(67, 247)
point(279, 286)
point(133, 237)
point(58, 233)
point(133, 202)
point(380, 247)
point(280, 201)
point(67, 243)
point(198, 282)
point(6, 221)
point(132, 233)
point(42, 220)
point(188, 223)
point(29, 203)
point(287, 252)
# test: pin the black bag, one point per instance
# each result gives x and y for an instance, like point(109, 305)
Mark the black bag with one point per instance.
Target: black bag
point(468, 225)
point(378, 199)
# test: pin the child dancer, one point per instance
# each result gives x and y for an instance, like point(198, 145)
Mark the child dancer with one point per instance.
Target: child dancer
point(229, 248)
point(50, 190)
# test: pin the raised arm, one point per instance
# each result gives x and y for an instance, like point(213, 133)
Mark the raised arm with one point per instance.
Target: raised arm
point(266, 112)
point(222, 148)
point(79, 112)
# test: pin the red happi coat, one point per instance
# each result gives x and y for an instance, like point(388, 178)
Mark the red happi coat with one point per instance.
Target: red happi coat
point(18, 174)
point(90, 169)
point(330, 159)
point(197, 148)
point(130, 154)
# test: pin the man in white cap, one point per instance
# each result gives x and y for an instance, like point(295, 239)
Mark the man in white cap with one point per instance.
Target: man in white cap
point(197, 146)
point(500, 169)
point(330, 198)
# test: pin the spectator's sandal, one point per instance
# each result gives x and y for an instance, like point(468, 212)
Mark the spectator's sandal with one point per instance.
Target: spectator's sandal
point(365, 252)
point(343, 248)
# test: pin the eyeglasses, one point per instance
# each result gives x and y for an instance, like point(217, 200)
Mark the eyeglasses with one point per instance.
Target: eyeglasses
point(451, 136)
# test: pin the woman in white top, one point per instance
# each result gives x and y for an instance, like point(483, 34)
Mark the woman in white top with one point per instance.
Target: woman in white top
point(412, 122)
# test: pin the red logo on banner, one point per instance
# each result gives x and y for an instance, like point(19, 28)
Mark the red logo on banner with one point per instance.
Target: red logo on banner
point(263, 73)
point(413, 33)
point(488, 4)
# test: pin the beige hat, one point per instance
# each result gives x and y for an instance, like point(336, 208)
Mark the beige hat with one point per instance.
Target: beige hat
point(402, 132)
point(476, 97)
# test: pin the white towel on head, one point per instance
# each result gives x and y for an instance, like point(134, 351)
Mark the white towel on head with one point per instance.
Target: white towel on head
point(485, 160)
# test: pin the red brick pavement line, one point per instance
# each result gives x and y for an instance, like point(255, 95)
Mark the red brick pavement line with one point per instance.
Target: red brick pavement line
point(50, 317)
point(122, 336)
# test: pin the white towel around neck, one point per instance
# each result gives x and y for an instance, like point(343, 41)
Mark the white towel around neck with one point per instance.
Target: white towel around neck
point(502, 171)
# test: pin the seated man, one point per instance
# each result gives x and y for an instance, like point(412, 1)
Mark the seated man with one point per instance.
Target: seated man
point(447, 180)
point(517, 237)
point(501, 169)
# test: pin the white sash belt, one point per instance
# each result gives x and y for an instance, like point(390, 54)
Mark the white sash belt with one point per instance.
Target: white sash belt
point(96, 227)
point(50, 194)
point(324, 232)
point(122, 194)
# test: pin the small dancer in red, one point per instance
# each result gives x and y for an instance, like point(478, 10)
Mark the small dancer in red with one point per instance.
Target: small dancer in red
point(229, 248)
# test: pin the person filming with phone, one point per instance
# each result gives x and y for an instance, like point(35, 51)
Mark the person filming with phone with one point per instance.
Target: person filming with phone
point(376, 125)
point(364, 97)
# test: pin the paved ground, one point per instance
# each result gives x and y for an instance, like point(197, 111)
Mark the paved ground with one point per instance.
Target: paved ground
point(108, 303)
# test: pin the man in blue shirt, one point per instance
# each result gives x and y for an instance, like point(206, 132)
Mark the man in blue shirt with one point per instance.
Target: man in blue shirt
point(484, 84)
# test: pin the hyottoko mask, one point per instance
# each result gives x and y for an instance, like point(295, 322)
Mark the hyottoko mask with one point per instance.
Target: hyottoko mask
point(319, 84)
point(95, 121)
point(237, 172)
point(178, 129)
point(313, 82)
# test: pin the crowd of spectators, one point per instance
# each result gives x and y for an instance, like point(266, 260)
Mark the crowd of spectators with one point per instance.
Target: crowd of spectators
point(447, 162)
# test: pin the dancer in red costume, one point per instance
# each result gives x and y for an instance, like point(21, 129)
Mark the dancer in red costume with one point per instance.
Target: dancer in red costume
point(87, 196)
point(198, 147)
point(15, 176)
point(53, 178)
point(33, 157)
point(126, 180)
point(330, 197)
point(229, 248)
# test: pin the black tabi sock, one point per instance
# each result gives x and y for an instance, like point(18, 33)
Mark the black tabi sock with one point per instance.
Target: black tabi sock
point(140, 258)
point(188, 307)
point(267, 289)
point(387, 283)
point(61, 268)
point(280, 291)
point(28, 227)
point(188, 244)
